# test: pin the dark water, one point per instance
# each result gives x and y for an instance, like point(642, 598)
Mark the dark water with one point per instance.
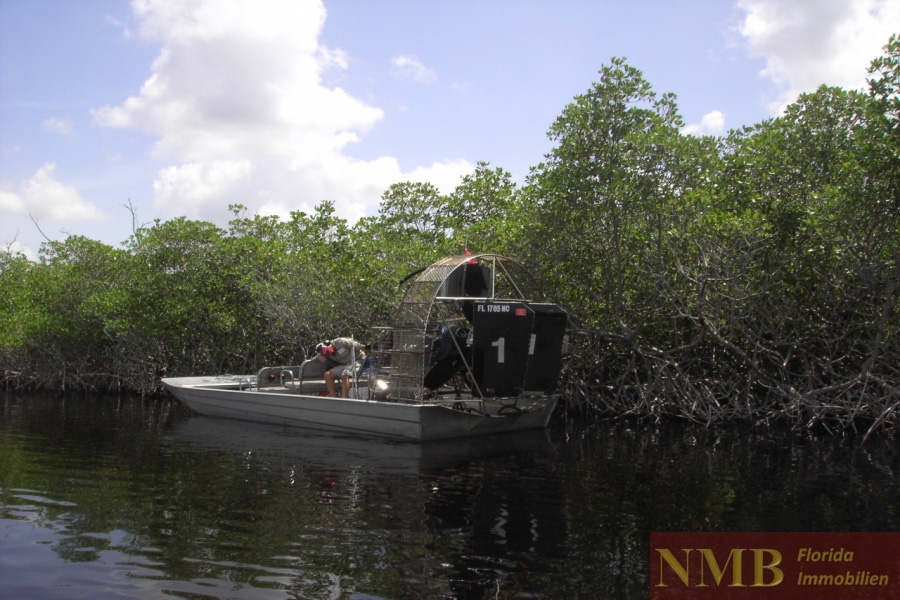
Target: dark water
point(103, 498)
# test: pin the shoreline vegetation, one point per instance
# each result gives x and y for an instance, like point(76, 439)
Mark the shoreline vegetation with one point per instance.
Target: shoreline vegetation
point(746, 278)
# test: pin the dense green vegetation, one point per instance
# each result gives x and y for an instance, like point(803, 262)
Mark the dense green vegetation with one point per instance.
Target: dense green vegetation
point(749, 277)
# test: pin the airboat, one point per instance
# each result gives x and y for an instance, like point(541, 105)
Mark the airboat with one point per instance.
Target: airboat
point(469, 353)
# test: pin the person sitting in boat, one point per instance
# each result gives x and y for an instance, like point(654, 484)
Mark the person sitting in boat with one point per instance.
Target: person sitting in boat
point(342, 357)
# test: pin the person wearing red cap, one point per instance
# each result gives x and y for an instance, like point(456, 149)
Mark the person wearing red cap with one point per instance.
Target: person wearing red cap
point(341, 356)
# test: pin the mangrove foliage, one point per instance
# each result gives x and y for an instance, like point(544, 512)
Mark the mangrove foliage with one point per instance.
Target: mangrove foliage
point(749, 277)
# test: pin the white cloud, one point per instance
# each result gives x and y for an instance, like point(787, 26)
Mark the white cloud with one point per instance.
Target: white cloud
point(236, 101)
point(807, 43)
point(60, 126)
point(411, 67)
point(444, 175)
point(712, 123)
point(188, 188)
point(42, 196)
point(11, 202)
point(127, 34)
point(15, 247)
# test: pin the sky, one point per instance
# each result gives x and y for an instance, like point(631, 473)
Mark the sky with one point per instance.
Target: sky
point(115, 113)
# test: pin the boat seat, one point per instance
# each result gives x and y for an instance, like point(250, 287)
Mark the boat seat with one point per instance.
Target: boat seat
point(308, 377)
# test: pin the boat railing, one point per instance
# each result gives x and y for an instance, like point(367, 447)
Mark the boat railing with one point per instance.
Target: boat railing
point(305, 378)
point(275, 376)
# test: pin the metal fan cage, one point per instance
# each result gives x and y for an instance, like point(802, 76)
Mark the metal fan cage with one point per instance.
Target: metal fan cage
point(435, 299)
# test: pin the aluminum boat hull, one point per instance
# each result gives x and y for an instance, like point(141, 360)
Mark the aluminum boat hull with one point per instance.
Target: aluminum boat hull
point(222, 397)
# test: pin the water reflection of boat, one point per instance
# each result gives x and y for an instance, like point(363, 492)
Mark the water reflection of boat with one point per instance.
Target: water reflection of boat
point(468, 354)
point(345, 453)
point(448, 517)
